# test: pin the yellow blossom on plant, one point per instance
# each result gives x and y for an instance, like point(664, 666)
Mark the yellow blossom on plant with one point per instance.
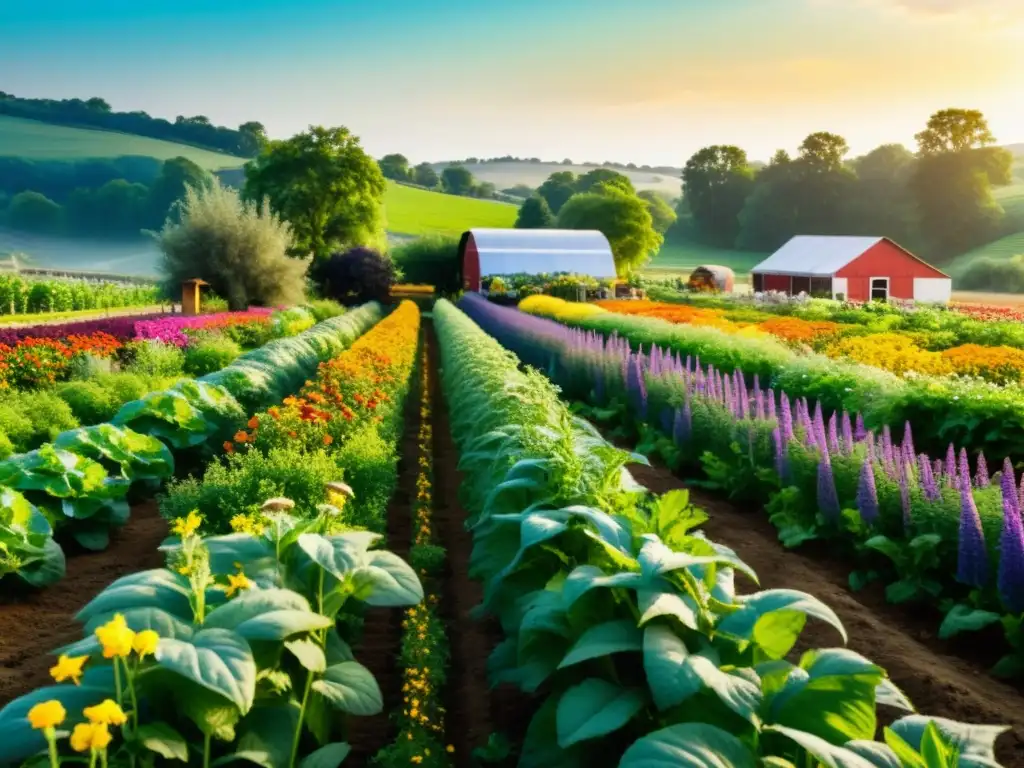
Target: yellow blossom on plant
point(106, 712)
point(236, 582)
point(89, 737)
point(47, 714)
point(68, 668)
point(187, 526)
point(145, 643)
point(116, 637)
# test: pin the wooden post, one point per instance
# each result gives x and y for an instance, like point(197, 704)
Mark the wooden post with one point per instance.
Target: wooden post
point(190, 296)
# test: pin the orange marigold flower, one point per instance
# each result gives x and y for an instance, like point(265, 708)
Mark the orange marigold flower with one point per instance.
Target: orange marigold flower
point(328, 439)
point(229, 447)
point(254, 423)
point(241, 436)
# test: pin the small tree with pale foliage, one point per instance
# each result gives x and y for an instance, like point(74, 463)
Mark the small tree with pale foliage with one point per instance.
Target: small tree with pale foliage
point(239, 249)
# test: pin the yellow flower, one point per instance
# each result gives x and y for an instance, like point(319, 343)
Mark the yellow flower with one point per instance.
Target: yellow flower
point(187, 526)
point(115, 637)
point(47, 714)
point(237, 581)
point(68, 668)
point(145, 643)
point(416, 759)
point(106, 713)
point(90, 737)
point(450, 748)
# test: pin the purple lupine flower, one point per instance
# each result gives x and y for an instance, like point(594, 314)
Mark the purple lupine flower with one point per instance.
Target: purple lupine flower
point(759, 405)
point(869, 447)
point(937, 469)
point(819, 419)
point(787, 419)
point(927, 478)
point(828, 499)
point(757, 385)
point(905, 497)
point(982, 477)
point(867, 494)
point(847, 434)
point(972, 557)
point(859, 433)
point(833, 434)
point(769, 397)
point(887, 456)
point(781, 460)
point(1010, 578)
point(951, 476)
point(963, 466)
point(908, 438)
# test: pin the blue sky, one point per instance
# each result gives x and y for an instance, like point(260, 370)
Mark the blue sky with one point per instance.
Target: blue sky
point(648, 81)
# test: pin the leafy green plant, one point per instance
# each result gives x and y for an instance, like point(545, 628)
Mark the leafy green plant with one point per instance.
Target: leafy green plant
point(427, 558)
point(26, 544)
point(152, 357)
point(209, 353)
point(190, 413)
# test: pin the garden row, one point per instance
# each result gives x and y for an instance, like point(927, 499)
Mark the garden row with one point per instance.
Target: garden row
point(241, 648)
point(58, 377)
point(937, 530)
point(78, 487)
point(623, 620)
point(974, 415)
point(19, 296)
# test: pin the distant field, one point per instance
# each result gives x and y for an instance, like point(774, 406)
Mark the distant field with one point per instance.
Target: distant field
point(42, 141)
point(1000, 249)
point(412, 211)
point(681, 258)
point(136, 258)
point(505, 175)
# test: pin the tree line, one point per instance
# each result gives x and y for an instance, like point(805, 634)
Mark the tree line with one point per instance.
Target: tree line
point(937, 201)
point(114, 198)
point(455, 179)
point(244, 141)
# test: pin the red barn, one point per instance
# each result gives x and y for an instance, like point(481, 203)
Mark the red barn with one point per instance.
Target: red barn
point(851, 268)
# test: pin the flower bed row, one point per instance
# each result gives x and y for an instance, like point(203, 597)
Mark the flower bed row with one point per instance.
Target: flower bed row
point(625, 621)
point(938, 530)
point(247, 629)
point(979, 416)
point(79, 484)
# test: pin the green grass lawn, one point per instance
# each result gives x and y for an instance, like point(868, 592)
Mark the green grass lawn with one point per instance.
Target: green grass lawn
point(681, 258)
point(43, 141)
point(1012, 245)
point(411, 211)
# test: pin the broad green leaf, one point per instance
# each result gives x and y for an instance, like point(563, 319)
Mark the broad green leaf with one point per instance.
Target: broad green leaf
point(878, 754)
point(211, 712)
point(161, 738)
point(657, 560)
point(962, 618)
point(595, 708)
point(688, 745)
point(309, 654)
point(351, 687)
point(267, 733)
point(218, 660)
point(278, 625)
point(47, 565)
point(586, 577)
point(328, 756)
point(334, 556)
point(603, 640)
point(828, 754)
point(741, 623)
point(654, 603)
point(776, 633)
point(156, 588)
point(387, 581)
point(253, 603)
point(975, 742)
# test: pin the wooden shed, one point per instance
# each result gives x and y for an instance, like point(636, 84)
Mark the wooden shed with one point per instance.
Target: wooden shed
point(851, 268)
point(488, 252)
point(713, 278)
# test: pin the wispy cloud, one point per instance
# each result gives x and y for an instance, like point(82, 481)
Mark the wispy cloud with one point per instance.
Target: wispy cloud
point(972, 11)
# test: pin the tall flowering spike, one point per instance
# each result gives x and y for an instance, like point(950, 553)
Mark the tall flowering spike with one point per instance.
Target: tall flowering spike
point(787, 418)
point(904, 483)
point(972, 557)
point(781, 460)
point(759, 405)
point(927, 479)
point(847, 434)
point(937, 470)
point(757, 385)
point(769, 398)
point(908, 438)
point(859, 433)
point(1010, 578)
point(867, 494)
point(833, 434)
point(887, 454)
point(869, 447)
point(828, 499)
point(819, 417)
point(907, 458)
point(982, 475)
point(950, 471)
point(963, 466)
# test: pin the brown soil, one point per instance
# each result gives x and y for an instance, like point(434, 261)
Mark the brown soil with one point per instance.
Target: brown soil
point(939, 684)
point(38, 622)
point(474, 710)
point(381, 637)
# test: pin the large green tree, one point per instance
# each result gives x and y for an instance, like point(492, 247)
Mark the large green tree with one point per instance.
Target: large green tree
point(953, 179)
point(395, 166)
point(425, 175)
point(622, 217)
point(176, 175)
point(325, 186)
point(457, 180)
point(534, 214)
point(34, 212)
point(716, 183)
point(881, 203)
point(661, 212)
point(606, 176)
point(557, 189)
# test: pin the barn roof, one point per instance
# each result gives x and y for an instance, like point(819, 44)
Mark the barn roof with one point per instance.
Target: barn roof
point(816, 255)
point(540, 251)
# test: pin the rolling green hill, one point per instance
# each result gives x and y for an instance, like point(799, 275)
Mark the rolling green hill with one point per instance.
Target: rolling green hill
point(43, 141)
point(412, 211)
point(1013, 245)
point(505, 175)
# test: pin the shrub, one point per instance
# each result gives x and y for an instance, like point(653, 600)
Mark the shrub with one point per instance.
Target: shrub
point(240, 250)
point(324, 308)
point(355, 276)
point(990, 274)
point(154, 358)
point(241, 482)
point(431, 260)
point(14, 425)
point(370, 466)
point(427, 558)
point(86, 366)
point(210, 353)
point(89, 402)
point(30, 419)
point(6, 446)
